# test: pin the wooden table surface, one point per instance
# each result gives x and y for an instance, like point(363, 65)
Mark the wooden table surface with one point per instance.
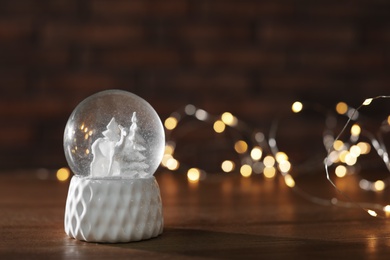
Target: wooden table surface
point(224, 216)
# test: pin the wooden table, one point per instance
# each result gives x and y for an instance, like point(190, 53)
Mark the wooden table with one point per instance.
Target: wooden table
point(224, 216)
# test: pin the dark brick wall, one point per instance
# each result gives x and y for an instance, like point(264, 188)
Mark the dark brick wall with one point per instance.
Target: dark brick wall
point(249, 57)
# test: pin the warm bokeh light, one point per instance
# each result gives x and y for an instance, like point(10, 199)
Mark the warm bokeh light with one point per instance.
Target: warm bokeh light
point(246, 170)
point(285, 166)
point(365, 148)
point(355, 150)
point(386, 209)
point(338, 145)
point(269, 172)
point(379, 185)
point(165, 159)
point(288, 179)
point(193, 175)
point(281, 157)
point(172, 164)
point(350, 159)
point(63, 174)
point(341, 171)
point(297, 107)
point(388, 120)
point(343, 155)
point(170, 123)
point(241, 146)
point(219, 126)
point(341, 108)
point(229, 119)
point(256, 153)
point(169, 149)
point(269, 161)
point(227, 166)
point(355, 130)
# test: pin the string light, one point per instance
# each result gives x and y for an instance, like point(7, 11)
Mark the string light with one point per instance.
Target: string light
point(250, 152)
point(219, 126)
point(193, 175)
point(63, 174)
point(227, 166)
point(254, 160)
point(246, 170)
point(297, 107)
point(350, 158)
point(341, 108)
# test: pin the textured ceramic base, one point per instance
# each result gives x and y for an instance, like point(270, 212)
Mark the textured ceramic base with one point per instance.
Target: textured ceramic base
point(113, 210)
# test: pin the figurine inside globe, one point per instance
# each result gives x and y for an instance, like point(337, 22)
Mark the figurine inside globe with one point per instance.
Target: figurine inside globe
point(114, 134)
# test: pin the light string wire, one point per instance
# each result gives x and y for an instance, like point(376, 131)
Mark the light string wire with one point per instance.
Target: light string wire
point(371, 208)
point(328, 141)
point(275, 160)
point(250, 145)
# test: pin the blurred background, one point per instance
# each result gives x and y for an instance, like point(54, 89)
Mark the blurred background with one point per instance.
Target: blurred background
point(251, 58)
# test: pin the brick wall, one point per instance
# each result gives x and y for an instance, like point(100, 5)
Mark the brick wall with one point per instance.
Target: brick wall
point(249, 57)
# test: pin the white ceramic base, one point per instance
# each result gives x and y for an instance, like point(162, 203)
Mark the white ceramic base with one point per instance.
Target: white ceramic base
point(113, 210)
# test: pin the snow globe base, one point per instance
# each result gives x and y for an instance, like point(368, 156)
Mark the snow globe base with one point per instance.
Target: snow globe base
point(113, 210)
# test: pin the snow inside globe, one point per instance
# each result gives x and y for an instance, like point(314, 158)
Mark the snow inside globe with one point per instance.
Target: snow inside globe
point(113, 142)
point(114, 133)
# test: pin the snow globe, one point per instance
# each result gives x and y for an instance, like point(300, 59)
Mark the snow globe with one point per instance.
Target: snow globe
point(113, 142)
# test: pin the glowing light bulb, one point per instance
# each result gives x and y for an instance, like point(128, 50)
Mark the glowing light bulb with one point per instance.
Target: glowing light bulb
point(169, 148)
point(338, 145)
point(256, 153)
point(372, 213)
point(341, 171)
point(288, 179)
point(246, 170)
point(63, 174)
point(367, 101)
point(297, 107)
point(172, 164)
point(355, 130)
point(269, 161)
point(379, 185)
point(281, 156)
point(285, 166)
point(269, 172)
point(241, 146)
point(365, 148)
point(193, 175)
point(170, 123)
point(219, 126)
point(229, 119)
point(341, 108)
point(227, 166)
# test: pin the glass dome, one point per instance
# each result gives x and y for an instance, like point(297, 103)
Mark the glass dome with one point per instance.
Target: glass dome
point(114, 133)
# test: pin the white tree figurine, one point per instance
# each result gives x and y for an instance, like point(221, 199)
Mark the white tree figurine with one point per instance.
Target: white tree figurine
point(119, 153)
